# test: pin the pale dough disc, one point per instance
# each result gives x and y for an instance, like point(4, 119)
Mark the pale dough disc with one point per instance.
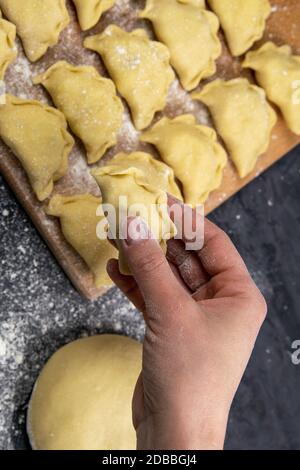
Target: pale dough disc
point(82, 398)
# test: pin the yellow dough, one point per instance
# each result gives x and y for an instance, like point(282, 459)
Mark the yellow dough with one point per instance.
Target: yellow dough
point(139, 67)
point(37, 134)
point(243, 118)
point(82, 398)
point(89, 103)
point(125, 187)
point(8, 52)
point(157, 173)
point(193, 152)
point(89, 11)
point(190, 33)
point(243, 21)
point(79, 216)
point(39, 23)
point(278, 72)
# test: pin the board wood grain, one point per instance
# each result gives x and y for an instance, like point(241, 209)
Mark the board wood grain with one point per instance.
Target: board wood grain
point(282, 27)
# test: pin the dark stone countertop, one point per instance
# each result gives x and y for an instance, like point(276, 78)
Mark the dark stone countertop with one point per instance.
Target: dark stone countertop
point(40, 310)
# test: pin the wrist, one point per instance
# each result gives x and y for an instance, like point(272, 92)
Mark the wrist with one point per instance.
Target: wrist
point(183, 430)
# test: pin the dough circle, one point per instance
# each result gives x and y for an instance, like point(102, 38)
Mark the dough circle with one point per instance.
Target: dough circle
point(82, 398)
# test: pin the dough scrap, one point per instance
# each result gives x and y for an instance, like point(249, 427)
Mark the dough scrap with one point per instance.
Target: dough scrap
point(89, 103)
point(243, 22)
point(157, 173)
point(82, 397)
point(243, 118)
point(89, 11)
point(39, 23)
point(277, 70)
point(190, 33)
point(193, 152)
point(150, 202)
point(139, 67)
point(37, 134)
point(8, 52)
point(79, 216)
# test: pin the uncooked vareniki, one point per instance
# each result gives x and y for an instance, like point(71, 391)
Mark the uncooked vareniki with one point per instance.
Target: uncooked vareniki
point(8, 52)
point(37, 134)
point(139, 67)
point(243, 118)
point(157, 173)
point(39, 23)
point(278, 72)
point(82, 398)
point(129, 193)
point(193, 152)
point(89, 103)
point(79, 216)
point(243, 22)
point(190, 33)
point(89, 11)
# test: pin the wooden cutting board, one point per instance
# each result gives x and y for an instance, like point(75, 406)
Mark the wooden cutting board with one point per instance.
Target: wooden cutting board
point(283, 27)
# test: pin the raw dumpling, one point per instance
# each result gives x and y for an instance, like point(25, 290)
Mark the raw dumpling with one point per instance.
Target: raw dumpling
point(278, 72)
point(89, 11)
point(127, 190)
point(190, 33)
point(89, 103)
point(79, 216)
point(243, 118)
point(139, 67)
point(243, 22)
point(193, 152)
point(37, 135)
point(8, 52)
point(157, 173)
point(39, 23)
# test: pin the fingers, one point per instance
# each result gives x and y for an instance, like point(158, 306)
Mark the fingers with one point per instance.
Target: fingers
point(219, 254)
point(179, 278)
point(159, 287)
point(189, 223)
point(126, 284)
point(187, 264)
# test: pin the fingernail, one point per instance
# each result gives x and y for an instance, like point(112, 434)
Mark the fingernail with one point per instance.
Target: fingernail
point(137, 231)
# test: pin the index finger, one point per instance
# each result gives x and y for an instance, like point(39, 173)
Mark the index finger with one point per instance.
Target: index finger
point(218, 253)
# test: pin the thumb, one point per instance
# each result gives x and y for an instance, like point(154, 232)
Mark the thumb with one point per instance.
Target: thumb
point(150, 269)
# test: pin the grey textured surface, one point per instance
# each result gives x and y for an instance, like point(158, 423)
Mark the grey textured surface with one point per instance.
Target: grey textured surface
point(41, 311)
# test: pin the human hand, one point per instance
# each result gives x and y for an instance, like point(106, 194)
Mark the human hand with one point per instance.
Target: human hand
point(203, 313)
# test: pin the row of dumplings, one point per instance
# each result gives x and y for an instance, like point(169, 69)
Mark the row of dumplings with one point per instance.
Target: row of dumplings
point(40, 23)
point(141, 71)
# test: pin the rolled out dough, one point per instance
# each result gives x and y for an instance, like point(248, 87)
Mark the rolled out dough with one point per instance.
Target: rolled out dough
point(82, 398)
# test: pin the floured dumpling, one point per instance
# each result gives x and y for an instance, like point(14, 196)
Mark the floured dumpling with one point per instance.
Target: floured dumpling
point(157, 173)
point(278, 72)
point(79, 216)
point(243, 118)
point(89, 103)
point(139, 67)
point(243, 22)
point(8, 52)
point(37, 134)
point(89, 11)
point(39, 23)
point(190, 33)
point(123, 188)
point(193, 152)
